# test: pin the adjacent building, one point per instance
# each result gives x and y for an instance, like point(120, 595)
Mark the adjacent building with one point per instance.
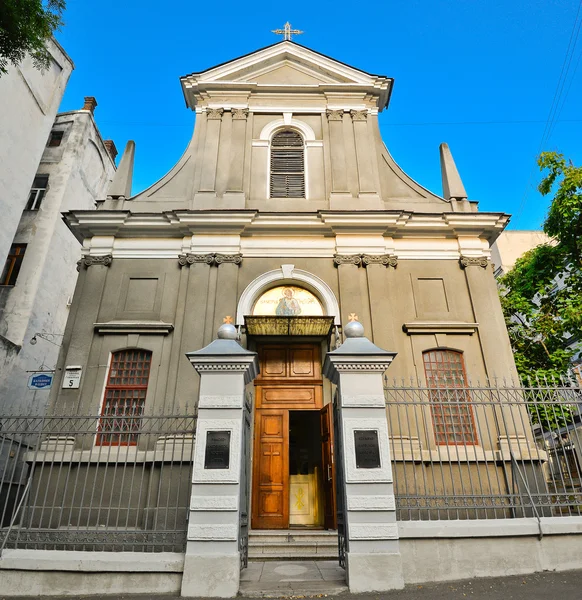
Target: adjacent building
point(39, 273)
point(29, 101)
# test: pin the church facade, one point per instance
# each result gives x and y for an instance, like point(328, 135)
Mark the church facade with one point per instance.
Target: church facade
point(287, 214)
point(286, 221)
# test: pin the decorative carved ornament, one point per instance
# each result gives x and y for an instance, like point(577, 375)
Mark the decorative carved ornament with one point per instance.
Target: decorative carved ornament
point(473, 261)
point(347, 259)
point(228, 258)
point(214, 113)
point(185, 260)
point(240, 114)
point(88, 261)
point(388, 260)
point(359, 115)
point(334, 115)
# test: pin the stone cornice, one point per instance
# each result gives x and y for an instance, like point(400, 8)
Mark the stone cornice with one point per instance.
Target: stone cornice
point(88, 261)
point(432, 327)
point(141, 327)
point(178, 224)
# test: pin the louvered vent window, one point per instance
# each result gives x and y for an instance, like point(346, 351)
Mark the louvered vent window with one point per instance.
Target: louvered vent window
point(287, 165)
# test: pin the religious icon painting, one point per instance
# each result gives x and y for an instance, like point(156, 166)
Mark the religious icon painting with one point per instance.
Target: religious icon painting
point(288, 301)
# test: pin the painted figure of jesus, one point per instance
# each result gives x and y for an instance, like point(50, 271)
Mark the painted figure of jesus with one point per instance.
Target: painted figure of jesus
point(288, 306)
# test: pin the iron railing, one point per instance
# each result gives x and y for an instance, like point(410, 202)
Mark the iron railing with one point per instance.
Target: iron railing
point(66, 486)
point(463, 452)
point(485, 451)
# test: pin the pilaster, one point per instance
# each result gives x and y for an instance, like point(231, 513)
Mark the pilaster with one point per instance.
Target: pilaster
point(210, 156)
point(237, 153)
point(365, 159)
point(339, 182)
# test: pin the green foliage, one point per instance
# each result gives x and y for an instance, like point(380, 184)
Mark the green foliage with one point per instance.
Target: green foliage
point(538, 313)
point(25, 27)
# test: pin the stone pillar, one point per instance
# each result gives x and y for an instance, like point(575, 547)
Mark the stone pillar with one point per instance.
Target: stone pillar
point(212, 562)
point(373, 561)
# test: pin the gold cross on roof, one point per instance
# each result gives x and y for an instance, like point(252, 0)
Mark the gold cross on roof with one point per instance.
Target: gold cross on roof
point(353, 317)
point(227, 320)
point(287, 32)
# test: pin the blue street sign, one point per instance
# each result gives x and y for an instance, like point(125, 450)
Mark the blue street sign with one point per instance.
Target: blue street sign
point(40, 381)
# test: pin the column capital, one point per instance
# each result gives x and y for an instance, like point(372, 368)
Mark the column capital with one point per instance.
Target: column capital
point(334, 115)
point(240, 114)
point(473, 261)
point(359, 115)
point(219, 259)
point(185, 260)
point(88, 261)
point(347, 259)
point(214, 113)
point(388, 260)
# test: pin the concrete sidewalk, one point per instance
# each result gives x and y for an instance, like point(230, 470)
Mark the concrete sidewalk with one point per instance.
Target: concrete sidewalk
point(566, 585)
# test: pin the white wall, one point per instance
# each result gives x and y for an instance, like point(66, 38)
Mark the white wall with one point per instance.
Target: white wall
point(79, 171)
point(29, 101)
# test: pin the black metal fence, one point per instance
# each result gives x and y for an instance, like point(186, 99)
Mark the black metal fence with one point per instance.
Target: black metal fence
point(64, 484)
point(124, 483)
point(486, 451)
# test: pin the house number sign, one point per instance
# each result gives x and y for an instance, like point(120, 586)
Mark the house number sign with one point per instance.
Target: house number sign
point(367, 449)
point(217, 454)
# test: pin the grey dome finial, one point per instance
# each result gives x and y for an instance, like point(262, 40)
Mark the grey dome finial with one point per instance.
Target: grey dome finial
point(228, 330)
point(354, 328)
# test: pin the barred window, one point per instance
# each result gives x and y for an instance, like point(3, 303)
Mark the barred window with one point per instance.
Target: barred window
point(450, 403)
point(287, 165)
point(125, 394)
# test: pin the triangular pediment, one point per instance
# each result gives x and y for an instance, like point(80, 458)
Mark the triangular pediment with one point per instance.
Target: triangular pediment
point(285, 63)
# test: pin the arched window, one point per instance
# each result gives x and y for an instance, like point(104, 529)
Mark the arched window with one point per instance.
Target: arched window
point(450, 402)
point(287, 165)
point(124, 399)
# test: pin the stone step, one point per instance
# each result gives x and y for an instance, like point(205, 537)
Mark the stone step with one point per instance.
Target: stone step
point(293, 545)
point(287, 536)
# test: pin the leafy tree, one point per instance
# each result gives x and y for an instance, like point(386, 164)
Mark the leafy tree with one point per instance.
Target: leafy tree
point(25, 27)
point(539, 314)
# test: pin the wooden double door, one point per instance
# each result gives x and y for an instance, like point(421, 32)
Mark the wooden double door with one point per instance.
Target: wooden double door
point(290, 380)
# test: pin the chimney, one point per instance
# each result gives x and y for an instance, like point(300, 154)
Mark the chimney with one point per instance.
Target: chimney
point(109, 144)
point(90, 104)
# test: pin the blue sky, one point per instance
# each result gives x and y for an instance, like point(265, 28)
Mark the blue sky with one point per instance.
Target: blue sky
point(480, 75)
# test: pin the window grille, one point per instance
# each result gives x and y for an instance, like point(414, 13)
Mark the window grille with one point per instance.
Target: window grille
point(37, 192)
point(287, 165)
point(55, 139)
point(125, 394)
point(451, 411)
point(13, 264)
